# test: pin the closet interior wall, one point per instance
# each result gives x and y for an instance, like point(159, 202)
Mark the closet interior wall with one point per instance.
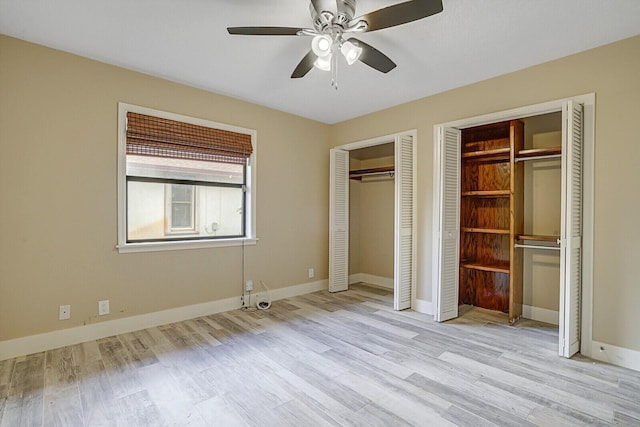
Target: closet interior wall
point(542, 214)
point(371, 216)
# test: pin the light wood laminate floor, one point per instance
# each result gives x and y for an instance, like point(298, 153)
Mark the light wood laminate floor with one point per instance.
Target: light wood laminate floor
point(320, 360)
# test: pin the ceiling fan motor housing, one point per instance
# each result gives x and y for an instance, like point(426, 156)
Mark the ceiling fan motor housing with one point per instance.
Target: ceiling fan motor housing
point(329, 17)
point(346, 11)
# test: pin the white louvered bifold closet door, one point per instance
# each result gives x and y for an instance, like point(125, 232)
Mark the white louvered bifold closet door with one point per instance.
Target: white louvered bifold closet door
point(571, 232)
point(404, 242)
point(449, 141)
point(339, 221)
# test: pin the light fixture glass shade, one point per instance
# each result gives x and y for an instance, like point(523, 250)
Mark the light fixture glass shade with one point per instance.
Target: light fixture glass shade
point(351, 52)
point(321, 45)
point(323, 63)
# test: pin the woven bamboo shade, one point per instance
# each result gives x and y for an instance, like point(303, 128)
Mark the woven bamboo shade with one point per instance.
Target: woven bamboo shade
point(158, 137)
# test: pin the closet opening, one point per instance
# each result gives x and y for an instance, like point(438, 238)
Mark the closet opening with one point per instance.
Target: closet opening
point(371, 210)
point(510, 218)
point(513, 218)
point(372, 216)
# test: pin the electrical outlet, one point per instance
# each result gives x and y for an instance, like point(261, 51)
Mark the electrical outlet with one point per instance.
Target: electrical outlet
point(248, 286)
point(65, 312)
point(103, 307)
point(312, 273)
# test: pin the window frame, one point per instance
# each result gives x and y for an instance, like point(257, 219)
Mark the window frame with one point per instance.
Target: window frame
point(249, 225)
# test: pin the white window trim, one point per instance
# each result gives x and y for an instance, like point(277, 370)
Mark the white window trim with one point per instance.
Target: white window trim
point(250, 222)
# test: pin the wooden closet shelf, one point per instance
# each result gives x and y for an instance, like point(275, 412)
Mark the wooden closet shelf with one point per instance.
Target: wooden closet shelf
point(499, 267)
point(487, 193)
point(484, 230)
point(493, 154)
point(537, 238)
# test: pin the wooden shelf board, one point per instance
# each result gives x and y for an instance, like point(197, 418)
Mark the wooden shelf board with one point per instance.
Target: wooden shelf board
point(538, 238)
point(487, 193)
point(484, 230)
point(493, 153)
point(495, 268)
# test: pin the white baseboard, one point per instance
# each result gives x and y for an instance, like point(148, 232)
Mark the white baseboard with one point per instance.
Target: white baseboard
point(50, 340)
point(355, 278)
point(615, 355)
point(541, 314)
point(292, 291)
point(383, 282)
point(423, 306)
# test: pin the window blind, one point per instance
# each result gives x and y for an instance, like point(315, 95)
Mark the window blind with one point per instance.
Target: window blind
point(159, 137)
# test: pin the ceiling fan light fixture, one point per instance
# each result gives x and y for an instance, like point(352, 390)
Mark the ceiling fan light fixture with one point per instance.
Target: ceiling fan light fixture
point(323, 63)
point(321, 45)
point(351, 52)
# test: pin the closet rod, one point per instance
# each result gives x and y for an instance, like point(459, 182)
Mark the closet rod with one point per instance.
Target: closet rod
point(547, 157)
point(359, 176)
point(553, 248)
point(390, 173)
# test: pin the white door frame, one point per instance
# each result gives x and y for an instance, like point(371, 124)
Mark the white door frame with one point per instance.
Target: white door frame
point(392, 139)
point(589, 103)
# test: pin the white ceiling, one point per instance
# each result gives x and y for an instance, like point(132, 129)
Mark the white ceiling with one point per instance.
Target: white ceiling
point(186, 41)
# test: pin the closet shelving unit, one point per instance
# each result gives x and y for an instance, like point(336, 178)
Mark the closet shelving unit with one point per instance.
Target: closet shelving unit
point(491, 216)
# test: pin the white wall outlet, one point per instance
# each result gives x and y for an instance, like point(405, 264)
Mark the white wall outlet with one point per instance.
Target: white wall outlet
point(248, 286)
point(65, 312)
point(312, 273)
point(103, 307)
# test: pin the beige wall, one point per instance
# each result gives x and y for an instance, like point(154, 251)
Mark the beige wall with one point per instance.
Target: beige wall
point(612, 73)
point(58, 228)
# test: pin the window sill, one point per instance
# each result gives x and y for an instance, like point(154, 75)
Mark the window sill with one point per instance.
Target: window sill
point(176, 246)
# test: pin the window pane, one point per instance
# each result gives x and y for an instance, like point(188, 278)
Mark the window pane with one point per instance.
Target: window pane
point(145, 211)
point(181, 215)
point(218, 211)
point(181, 207)
point(181, 193)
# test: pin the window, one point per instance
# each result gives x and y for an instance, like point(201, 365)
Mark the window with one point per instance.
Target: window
point(183, 182)
point(181, 209)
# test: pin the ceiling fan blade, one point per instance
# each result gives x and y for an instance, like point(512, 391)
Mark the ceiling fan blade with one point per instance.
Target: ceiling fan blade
point(304, 66)
point(400, 13)
point(264, 31)
point(373, 57)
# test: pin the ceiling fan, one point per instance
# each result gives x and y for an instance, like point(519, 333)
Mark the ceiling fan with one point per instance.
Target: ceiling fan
point(333, 22)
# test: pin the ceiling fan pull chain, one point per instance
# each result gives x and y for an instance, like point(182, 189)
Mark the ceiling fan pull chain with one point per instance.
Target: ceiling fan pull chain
point(334, 66)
